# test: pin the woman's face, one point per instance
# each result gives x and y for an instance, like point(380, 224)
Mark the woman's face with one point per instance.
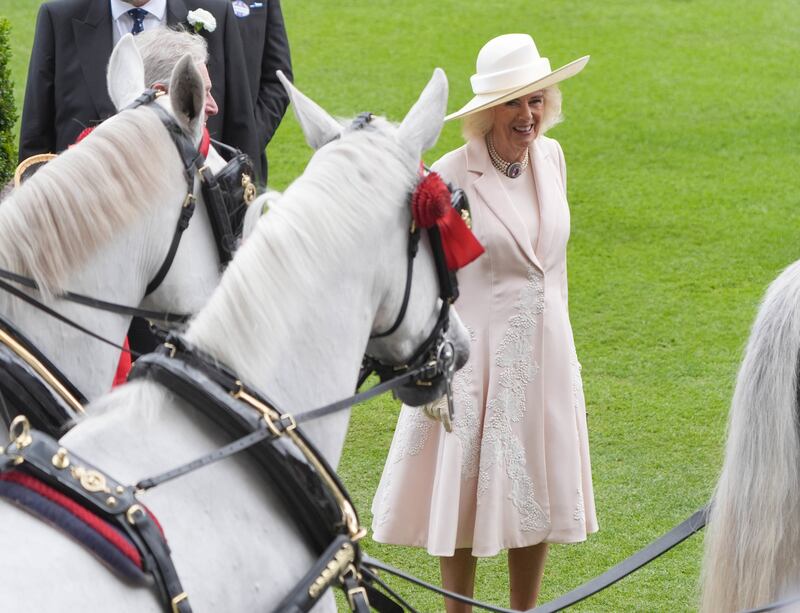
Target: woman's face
point(517, 123)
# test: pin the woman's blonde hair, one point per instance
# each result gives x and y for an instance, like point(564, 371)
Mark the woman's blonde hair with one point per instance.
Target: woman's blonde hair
point(478, 125)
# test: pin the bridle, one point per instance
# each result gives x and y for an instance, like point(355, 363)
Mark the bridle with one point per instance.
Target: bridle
point(226, 195)
point(225, 200)
point(435, 351)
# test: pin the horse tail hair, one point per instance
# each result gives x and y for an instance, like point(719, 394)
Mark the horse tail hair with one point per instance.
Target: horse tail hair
point(753, 535)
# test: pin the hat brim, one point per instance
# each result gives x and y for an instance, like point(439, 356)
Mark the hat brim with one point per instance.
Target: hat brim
point(485, 101)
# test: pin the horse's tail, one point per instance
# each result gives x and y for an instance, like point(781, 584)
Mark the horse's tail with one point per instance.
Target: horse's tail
point(753, 536)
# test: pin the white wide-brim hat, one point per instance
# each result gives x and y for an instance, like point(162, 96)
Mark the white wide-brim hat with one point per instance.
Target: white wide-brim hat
point(508, 67)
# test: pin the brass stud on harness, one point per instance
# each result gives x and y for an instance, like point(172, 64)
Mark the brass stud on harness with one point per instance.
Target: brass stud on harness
point(61, 459)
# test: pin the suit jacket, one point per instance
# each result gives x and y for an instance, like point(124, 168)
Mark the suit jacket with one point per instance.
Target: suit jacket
point(66, 89)
point(266, 50)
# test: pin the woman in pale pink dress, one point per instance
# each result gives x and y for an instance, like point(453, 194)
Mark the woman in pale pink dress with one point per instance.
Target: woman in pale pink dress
point(514, 473)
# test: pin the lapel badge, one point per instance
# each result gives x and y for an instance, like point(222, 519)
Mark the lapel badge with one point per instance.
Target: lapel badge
point(240, 8)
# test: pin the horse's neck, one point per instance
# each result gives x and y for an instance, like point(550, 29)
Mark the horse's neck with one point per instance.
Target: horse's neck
point(303, 341)
point(116, 273)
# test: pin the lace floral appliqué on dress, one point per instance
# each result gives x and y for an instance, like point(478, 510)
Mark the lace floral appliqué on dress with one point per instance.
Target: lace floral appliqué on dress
point(500, 444)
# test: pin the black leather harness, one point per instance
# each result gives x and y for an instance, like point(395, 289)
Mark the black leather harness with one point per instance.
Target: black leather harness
point(309, 487)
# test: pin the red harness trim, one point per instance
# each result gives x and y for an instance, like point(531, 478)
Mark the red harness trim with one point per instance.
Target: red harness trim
point(91, 520)
point(205, 141)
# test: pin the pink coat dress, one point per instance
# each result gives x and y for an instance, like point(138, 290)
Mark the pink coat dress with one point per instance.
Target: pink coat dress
point(515, 471)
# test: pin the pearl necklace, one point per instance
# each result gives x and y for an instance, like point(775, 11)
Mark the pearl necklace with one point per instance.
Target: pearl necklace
point(510, 169)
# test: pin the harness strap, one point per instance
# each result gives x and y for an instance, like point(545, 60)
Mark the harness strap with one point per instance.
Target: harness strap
point(187, 210)
point(102, 538)
point(56, 315)
point(372, 563)
point(327, 570)
point(192, 160)
point(101, 305)
point(23, 390)
point(413, 247)
point(393, 603)
point(30, 383)
point(158, 548)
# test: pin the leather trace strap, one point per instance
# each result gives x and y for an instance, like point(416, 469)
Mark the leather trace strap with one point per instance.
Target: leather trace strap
point(660, 546)
point(41, 456)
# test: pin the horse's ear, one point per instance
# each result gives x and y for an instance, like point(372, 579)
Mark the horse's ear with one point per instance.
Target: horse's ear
point(318, 127)
point(125, 75)
point(187, 95)
point(423, 123)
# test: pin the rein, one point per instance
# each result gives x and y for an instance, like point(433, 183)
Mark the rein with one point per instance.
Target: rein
point(274, 427)
point(94, 303)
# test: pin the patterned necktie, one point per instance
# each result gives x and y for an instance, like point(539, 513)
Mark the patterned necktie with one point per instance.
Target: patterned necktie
point(138, 16)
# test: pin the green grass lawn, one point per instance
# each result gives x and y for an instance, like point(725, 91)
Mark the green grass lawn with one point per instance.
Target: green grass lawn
point(681, 138)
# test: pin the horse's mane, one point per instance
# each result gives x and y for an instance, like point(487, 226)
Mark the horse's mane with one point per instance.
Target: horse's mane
point(78, 201)
point(339, 201)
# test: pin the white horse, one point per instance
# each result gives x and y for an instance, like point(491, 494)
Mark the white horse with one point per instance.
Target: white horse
point(99, 219)
point(752, 540)
point(293, 315)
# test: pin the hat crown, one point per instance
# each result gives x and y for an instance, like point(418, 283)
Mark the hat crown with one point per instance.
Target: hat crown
point(507, 62)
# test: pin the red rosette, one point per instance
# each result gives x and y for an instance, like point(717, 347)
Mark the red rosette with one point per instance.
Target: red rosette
point(430, 201)
point(430, 205)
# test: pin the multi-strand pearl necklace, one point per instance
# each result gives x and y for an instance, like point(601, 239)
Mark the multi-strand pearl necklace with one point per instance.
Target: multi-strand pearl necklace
point(509, 169)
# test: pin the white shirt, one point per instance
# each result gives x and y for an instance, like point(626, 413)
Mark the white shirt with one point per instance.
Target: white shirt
point(123, 23)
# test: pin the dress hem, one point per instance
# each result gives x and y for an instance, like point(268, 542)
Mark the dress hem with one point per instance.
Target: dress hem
point(555, 538)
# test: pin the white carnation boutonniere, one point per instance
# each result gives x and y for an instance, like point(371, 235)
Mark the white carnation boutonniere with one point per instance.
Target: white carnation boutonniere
point(201, 19)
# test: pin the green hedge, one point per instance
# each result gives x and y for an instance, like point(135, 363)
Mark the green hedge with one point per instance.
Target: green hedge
point(8, 112)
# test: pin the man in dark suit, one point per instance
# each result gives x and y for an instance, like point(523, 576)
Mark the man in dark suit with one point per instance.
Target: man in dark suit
point(66, 89)
point(266, 50)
